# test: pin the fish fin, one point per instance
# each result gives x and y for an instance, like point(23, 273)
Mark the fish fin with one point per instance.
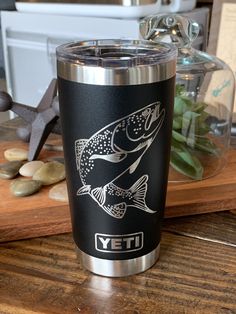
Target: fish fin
point(98, 194)
point(139, 190)
point(79, 146)
point(117, 211)
point(115, 158)
point(134, 166)
point(85, 189)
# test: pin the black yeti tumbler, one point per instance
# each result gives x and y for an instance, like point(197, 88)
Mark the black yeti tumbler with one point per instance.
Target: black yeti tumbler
point(116, 101)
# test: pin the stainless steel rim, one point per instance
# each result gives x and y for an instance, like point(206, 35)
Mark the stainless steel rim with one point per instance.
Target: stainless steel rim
point(126, 3)
point(116, 76)
point(118, 268)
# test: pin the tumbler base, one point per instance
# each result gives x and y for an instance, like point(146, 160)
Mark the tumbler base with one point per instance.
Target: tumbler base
point(118, 268)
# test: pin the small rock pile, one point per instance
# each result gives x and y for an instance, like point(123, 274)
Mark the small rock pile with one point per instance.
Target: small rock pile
point(34, 174)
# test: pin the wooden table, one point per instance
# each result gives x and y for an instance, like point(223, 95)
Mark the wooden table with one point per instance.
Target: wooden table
point(196, 273)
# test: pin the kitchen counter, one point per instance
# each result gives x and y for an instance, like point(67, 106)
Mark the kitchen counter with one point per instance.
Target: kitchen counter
point(196, 273)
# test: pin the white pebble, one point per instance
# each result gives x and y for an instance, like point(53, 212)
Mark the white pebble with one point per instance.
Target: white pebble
point(29, 169)
point(12, 154)
point(59, 192)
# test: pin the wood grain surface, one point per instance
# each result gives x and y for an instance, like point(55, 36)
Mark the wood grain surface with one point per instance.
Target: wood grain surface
point(37, 215)
point(43, 276)
point(213, 227)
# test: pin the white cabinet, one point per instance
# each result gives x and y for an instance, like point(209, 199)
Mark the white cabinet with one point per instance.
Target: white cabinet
point(29, 42)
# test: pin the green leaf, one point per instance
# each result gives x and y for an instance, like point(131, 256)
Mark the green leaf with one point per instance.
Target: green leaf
point(179, 106)
point(202, 129)
point(203, 116)
point(199, 107)
point(186, 164)
point(182, 104)
point(178, 137)
point(204, 144)
point(177, 123)
point(176, 146)
point(189, 124)
point(189, 133)
point(179, 90)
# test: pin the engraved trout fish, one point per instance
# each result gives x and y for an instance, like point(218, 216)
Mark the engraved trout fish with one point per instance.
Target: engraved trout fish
point(118, 148)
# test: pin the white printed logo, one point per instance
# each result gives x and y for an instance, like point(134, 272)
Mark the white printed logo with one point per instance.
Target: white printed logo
point(118, 243)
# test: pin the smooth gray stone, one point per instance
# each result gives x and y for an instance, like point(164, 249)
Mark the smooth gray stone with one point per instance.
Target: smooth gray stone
point(51, 172)
point(25, 187)
point(10, 169)
point(59, 192)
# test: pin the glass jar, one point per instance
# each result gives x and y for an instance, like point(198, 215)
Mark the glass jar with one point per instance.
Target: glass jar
point(203, 100)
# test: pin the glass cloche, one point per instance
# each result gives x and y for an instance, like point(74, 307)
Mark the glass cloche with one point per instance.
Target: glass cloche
point(203, 101)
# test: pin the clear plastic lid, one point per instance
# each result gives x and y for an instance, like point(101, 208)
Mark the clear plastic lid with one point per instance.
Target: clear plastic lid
point(116, 53)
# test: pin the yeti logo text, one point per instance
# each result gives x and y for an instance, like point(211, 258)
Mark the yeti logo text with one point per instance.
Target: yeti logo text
point(118, 243)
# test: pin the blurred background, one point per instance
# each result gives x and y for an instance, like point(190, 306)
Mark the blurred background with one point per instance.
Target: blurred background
point(31, 30)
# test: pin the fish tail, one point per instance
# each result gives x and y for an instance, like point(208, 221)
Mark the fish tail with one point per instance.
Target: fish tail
point(139, 191)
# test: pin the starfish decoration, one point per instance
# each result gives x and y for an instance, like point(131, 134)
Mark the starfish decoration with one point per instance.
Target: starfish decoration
point(41, 121)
